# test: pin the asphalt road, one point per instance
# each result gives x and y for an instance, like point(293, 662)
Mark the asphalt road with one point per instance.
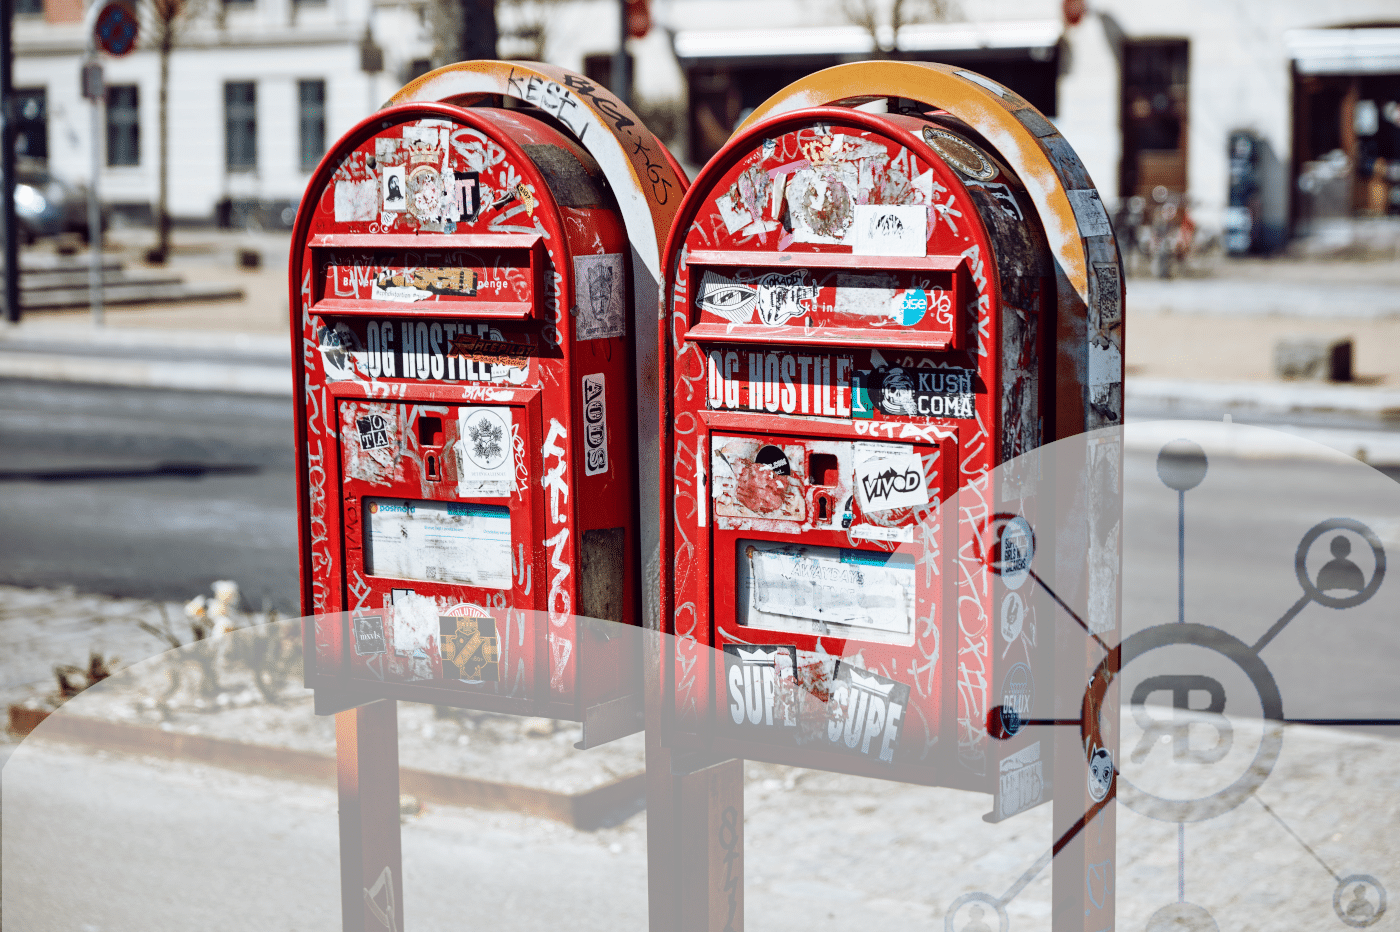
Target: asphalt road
point(147, 493)
point(156, 493)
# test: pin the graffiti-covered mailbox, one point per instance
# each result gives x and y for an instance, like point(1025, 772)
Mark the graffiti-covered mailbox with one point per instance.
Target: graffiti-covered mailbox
point(467, 406)
point(862, 339)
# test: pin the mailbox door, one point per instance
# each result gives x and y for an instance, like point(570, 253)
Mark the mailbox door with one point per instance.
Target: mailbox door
point(854, 298)
point(464, 387)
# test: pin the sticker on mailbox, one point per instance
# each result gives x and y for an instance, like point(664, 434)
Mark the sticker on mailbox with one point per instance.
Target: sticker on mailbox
point(826, 590)
point(470, 649)
point(485, 453)
point(444, 542)
point(754, 479)
point(865, 713)
point(889, 476)
point(762, 684)
point(369, 634)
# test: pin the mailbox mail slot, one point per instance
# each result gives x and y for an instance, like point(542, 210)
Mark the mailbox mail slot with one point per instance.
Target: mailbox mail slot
point(466, 427)
point(861, 310)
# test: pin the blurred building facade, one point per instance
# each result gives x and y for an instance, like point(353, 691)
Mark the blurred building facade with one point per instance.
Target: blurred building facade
point(1153, 96)
point(258, 90)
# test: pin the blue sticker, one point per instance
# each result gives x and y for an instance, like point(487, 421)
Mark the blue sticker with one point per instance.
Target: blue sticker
point(915, 307)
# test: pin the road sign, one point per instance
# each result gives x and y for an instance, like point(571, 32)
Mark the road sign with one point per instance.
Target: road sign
point(116, 29)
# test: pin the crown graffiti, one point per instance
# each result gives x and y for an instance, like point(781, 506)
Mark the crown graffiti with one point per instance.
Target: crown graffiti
point(870, 684)
point(420, 153)
point(758, 655)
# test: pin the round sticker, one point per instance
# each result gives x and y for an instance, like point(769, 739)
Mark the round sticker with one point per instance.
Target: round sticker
point(775, 459)
point(960, 154)
point(484, 439)
point(913, 307)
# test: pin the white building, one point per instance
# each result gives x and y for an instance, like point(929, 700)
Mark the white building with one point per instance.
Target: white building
point(1149, 94)
point(258, 90)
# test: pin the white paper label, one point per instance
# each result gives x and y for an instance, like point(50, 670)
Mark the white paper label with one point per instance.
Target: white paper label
point(485, 464)
point(809, 589)
point(447, 542)
point(891, 230)
point(889, 476)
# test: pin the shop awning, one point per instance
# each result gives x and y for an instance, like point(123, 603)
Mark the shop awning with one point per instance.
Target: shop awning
point(1036, 38)
point(1345, 51)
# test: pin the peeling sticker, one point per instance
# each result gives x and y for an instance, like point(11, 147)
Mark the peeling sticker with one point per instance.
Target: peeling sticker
point(598, 294)
point(1089, 212)
point(891, 230)
point(485, 465)
point(339, 346)
point(595, 425)
point(1105, 365)
point(356, 201)
point(753, 479)
point(889, 476)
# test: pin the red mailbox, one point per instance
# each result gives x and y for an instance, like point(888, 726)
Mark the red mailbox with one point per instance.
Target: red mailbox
point(464, 375)
point(864, 323)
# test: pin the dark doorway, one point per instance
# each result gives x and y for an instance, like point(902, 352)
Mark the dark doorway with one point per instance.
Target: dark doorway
point(1155, 123)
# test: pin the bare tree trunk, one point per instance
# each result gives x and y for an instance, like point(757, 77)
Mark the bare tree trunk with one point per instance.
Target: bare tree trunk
point(162, 250)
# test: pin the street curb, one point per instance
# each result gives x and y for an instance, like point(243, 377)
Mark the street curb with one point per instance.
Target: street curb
point(586, 811)
point(1246, 441)
point(184, 376)
point(1274, 397)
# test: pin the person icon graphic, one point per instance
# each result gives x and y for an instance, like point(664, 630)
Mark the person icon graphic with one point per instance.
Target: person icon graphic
point(1360, 908)
point(395, 193)
point(1340, 572)
point(976, 923)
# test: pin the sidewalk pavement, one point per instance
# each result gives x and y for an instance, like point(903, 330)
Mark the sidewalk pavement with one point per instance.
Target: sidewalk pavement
point(1197, 346)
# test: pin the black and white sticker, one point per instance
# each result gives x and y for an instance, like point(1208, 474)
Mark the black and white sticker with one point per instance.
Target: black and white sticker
point(761, 680)
point(369, 634)
point(595, 425)
point(889, 476)
point(374, 431)
point(865, 713)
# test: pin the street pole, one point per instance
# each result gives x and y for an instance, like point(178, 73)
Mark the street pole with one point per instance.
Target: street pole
point(93, 88)
point(9, 227)
point(621, 79)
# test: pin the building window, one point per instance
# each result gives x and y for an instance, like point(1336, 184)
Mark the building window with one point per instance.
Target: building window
point(123, 125)
point(31, 122)
point(241, 125)
point(313, 122)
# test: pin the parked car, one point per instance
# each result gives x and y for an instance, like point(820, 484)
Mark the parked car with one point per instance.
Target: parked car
point(46, 205)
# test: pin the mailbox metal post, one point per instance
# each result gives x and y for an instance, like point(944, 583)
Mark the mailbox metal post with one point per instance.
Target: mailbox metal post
point(934, 294)
point(371, 849)
point(468, 281)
